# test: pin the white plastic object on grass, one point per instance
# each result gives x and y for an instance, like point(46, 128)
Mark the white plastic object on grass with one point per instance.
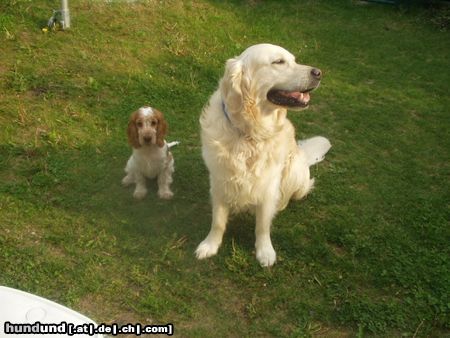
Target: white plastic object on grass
point(315, 148)
point(25, 311)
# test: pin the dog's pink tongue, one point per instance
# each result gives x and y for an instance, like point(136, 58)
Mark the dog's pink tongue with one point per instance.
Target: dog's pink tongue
point(304, 97)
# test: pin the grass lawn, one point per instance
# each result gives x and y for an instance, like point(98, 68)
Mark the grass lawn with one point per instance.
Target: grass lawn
point(366, 254)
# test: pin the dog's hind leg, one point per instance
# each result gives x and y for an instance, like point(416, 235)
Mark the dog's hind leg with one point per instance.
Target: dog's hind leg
point(304, 190)
point(296, 182)
point(129, 177)
point(129, 170)
point(165, 179)
point(128, 180)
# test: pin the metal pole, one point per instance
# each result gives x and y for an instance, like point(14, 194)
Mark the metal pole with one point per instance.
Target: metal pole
point(65, 15)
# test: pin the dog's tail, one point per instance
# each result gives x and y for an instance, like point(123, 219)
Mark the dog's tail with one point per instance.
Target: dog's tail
point(173, 144)
point(315, 148)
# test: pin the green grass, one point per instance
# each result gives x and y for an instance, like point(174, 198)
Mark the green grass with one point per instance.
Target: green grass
point(366, 254)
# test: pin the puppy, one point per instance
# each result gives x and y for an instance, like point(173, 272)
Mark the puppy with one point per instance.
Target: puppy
point(151, 157)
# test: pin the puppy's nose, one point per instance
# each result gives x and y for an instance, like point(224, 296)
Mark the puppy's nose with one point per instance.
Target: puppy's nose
point(147, 139)
point(316, 73)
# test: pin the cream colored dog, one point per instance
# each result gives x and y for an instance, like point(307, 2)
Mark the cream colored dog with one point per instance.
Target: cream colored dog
point(249, 145)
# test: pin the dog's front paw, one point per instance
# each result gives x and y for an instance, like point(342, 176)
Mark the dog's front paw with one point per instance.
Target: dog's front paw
point(266, 255)
point(206, 249)
point(139, 194)
point(165, 195)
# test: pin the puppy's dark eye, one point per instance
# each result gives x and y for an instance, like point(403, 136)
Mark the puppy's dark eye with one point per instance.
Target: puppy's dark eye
point(279, 62)
point(139, 124)
point(154, 123)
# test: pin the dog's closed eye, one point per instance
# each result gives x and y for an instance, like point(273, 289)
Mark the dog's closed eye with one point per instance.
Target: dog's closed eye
point(279, 62)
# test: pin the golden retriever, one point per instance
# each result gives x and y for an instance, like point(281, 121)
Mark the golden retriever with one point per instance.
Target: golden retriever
point(249, 146)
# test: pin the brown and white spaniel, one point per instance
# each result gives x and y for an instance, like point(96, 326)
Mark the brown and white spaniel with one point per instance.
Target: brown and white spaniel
point(151, 157)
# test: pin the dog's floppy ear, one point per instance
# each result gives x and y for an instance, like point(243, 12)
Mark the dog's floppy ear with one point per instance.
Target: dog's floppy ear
point(234, 85)
point(132, 131)
point(161, 129)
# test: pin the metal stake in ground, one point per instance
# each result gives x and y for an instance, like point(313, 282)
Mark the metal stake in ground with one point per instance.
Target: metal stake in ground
point(62, 16)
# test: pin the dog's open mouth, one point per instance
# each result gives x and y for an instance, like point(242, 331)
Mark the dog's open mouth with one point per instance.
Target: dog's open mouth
point(289, 98)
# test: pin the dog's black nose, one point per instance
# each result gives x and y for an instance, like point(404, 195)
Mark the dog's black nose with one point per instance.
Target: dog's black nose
point(317, 73)
point(147, 139)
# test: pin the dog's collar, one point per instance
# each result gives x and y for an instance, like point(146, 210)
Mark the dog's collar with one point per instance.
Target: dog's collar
point(225, 112)
point(227, 116)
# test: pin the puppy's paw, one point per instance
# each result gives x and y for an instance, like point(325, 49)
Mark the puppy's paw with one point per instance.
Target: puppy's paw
point(139, 194)
point(266, 255)
point(127, 180)
point(206, 249)
point(165, 195)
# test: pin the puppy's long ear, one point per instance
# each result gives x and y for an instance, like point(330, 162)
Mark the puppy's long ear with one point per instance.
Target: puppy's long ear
point(132, 131)
point(233, 85)
point(161, 129)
